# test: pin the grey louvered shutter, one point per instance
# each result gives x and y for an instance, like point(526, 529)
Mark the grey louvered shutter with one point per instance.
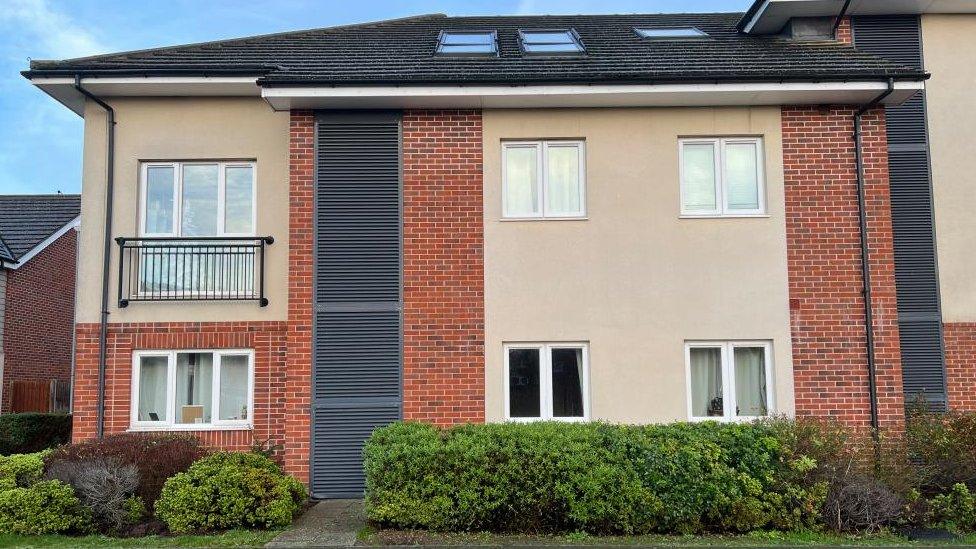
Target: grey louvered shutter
point(898, 38)
point(357, 333)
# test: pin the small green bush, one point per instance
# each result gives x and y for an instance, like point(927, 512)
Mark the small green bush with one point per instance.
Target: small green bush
point(21, 469)
point(599, 478)
point(47, 507)
point(31, 432)
point(230, 490)
point(955, 510)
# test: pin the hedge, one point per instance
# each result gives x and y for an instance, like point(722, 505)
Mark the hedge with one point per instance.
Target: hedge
point(29, 432)
point(600, 478)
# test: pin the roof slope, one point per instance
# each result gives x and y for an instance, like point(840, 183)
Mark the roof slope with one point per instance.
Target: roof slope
point(27, 220)
point(402, 51)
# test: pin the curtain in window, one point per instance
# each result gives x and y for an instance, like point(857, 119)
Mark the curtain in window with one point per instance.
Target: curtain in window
point(233, 388)
point(563, 180)
point(567, 383)
point(698, 171)
point(152, 388)
point(742, 176)
point(194, 387)
point(750, 381)
point(522, 181)
point(706, 381)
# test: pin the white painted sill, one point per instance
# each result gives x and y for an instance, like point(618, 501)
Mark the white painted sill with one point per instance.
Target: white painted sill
point(517, 219)
point(720, 216)
point(189, 427)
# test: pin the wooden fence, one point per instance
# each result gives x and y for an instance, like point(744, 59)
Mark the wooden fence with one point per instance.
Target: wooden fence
point(40, 396)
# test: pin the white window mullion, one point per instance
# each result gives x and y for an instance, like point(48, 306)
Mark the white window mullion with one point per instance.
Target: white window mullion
point(728, 389)
point(171, 388)
point(545, 382)
point(542, 193)
point(215, 389)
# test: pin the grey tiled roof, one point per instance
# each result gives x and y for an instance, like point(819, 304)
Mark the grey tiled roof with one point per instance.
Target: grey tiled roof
point(5, 253)
point(402, 52)
point(26, 220)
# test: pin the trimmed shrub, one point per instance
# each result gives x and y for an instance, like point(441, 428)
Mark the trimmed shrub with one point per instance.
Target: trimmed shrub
point(156, 457)
point(21, 469)
point(230, 490)
point(553, 477)
point(955, 510)
point(105, 486)
point(47, 507)
point(32, 432)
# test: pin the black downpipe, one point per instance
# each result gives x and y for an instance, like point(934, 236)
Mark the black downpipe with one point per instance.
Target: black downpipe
point(865, 253)
point(106, 254)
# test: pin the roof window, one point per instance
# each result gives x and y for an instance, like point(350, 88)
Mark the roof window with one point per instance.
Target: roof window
point(467, 43)
point(553, 41)
point(670, 32)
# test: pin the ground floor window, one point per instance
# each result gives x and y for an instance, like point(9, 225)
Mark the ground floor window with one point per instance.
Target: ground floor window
point(728, 379)
point(546, 381)
point(192, 389)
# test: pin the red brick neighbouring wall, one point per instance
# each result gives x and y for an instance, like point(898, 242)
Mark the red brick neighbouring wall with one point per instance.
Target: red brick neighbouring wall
point(39, 318)
point(960, 349)
point(443, 267)
point(844, 33)
point(266, 338)
point(823, 251)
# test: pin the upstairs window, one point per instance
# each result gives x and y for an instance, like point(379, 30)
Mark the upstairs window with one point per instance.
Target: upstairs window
point(670, 32)
point(467, 43)
point(197, 199)
point(543, 179)
point(722, 177)
point(550, 41)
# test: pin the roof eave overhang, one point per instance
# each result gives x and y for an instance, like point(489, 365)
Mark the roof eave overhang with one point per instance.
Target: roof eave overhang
point(770, 16)
point(40, 246)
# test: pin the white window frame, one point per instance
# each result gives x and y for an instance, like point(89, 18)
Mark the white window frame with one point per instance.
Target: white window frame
point(545, 380)
point(170, 424)
point(721, 181)
point(222, 165)
point(729, 403)
point(542, 150)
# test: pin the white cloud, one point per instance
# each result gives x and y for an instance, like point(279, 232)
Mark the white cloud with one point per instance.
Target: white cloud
point(49, 32)
point(525, 7)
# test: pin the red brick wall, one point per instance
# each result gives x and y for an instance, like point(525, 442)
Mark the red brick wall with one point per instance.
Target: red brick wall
point(823, 241)
point(443, 267)
point(266, 338)
point(844, 34)
point(39, 318)
point(960, 349)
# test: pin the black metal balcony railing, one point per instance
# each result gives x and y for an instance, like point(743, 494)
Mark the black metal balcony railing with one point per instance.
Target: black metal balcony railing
point(208, 268)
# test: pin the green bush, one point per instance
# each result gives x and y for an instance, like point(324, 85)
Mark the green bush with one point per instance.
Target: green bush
point(21, 469)
point(955, 510)
point(230, 490)
point(48, 507)
point(32, 432)
point(552, 477)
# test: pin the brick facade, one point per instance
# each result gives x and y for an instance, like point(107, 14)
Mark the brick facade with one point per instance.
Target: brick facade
point(39, 316)
point(443, 267)
point(844, 33)
point(823, 251)
point(960, 354)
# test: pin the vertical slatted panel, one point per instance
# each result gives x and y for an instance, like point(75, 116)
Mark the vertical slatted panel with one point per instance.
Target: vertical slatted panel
point(357, 334)
point(898, 38)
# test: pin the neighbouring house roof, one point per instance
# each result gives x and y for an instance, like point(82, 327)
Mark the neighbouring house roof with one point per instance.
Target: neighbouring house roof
point(27, 221)
point(402, 51)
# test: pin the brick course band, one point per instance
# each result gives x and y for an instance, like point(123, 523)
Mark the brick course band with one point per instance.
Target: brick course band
point(960, 350)
point(823, 252)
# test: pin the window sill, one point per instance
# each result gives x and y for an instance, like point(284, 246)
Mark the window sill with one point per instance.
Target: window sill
point(193, 427)
point(725, 216)
point(517, 219)
point(723, 419)
point(539, 419)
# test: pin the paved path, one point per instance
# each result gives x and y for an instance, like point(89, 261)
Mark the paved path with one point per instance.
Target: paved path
point(330, 523)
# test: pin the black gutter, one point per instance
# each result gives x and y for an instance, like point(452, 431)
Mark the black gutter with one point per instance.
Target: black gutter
point(865, 254)
point(106, 254)
point(840, 17)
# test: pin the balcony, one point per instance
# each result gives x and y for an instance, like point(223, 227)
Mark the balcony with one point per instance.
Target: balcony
point(192, 269)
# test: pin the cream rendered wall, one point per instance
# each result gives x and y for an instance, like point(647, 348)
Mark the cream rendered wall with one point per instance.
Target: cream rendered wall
point(182, 129)
point(949, 50)
point(635, 280)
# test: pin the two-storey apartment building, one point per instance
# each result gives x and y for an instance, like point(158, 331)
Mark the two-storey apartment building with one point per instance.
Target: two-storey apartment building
point(632, 218)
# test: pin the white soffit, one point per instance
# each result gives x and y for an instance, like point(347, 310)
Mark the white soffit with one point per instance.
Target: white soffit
point(772, 15)
point(662, 95)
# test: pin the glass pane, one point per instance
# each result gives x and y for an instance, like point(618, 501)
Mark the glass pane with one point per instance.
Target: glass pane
point(563, 180)
point(558, 37)
point(523, 383)
point(484, 38)
point(238, 199)
point(152, 388)
point(199, 200)
point(682, 32)
point(742, 175)
point(233, 387)
point(159, 199)
point(750, 381)
point(521, 176)
point(698, 186)
point(194, 387)
point(567, 382)
point(552, 48)
point(706, 382)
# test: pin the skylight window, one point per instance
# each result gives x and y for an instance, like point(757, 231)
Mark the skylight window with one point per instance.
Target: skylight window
point(467, 43)
point(670, 32)
point(550, 41)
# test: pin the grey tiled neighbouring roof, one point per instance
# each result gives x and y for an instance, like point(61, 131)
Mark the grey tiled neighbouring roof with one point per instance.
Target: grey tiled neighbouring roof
point(401, 51)
point(27, 220)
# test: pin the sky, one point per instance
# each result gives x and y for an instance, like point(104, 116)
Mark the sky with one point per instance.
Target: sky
point(40, 140)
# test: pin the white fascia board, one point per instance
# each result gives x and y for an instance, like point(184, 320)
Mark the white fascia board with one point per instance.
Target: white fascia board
point(773, 15)
point(582, 96)
point(22, 260)
point(62, 88)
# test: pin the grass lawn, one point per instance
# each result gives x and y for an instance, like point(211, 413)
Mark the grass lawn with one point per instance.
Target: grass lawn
point(369, 536)
point(233, 538)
